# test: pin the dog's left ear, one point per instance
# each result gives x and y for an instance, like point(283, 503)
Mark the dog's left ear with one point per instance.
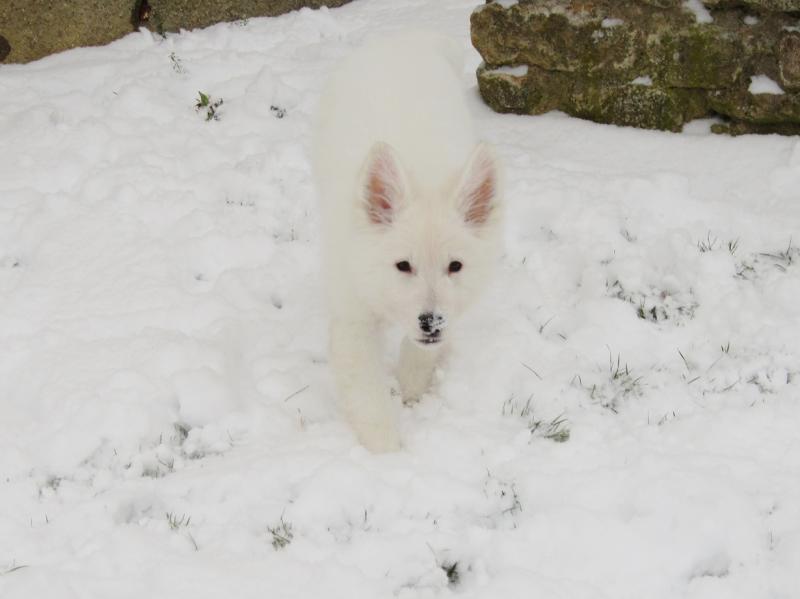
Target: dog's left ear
point(478, 189)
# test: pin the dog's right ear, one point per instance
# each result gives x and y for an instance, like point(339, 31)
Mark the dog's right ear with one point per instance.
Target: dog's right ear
point(383, 184)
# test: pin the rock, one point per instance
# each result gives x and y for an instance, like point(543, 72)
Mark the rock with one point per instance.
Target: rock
point(757, 6)
point(635, 105)
point(512, 93)
point(756, 109)
point(174, 15)
point(35, 28)
point(5, 48)
point(32, 29)
point(789, 60)
point(654, 64)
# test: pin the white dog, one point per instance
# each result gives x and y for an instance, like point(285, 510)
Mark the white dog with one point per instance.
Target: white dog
point(412, 218)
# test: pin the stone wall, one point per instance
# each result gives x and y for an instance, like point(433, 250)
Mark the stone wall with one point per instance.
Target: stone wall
point(646, 63)
point(31, 29)
point(173, 15)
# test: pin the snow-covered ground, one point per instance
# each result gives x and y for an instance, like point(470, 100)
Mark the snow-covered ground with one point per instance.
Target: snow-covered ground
point(620, 418)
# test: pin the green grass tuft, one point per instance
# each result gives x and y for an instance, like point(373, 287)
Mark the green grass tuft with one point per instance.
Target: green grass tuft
point(282, 534)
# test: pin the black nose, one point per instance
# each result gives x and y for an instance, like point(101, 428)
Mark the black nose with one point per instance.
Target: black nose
point(430, 323)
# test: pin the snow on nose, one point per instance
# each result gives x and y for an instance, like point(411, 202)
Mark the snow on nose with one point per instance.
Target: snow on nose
point(432, 324)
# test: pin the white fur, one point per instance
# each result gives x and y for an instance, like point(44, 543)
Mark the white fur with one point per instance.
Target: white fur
point(400, 173)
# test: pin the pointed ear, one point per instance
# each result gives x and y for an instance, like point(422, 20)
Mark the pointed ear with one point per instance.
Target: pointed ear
point(383, 184)
point(478, 189)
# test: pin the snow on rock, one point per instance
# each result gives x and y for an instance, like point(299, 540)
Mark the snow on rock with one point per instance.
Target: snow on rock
point(700, 12)
point(761, 84)
point(518, 71)
point(610, 22)
point(617, 417)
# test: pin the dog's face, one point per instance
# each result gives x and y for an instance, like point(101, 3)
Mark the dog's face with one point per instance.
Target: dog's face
point(428, 257)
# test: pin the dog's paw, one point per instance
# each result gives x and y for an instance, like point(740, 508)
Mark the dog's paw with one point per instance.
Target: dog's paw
point(380, 440)
point(413, 388)
point(410, 399)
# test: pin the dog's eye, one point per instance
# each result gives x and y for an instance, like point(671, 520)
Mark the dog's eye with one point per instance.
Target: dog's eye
point(403, 266)
point(454, 266)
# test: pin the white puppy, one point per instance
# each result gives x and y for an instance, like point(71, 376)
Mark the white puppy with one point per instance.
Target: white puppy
point(412, 218)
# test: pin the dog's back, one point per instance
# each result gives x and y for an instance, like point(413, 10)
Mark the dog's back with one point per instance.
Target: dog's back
point(405, 91)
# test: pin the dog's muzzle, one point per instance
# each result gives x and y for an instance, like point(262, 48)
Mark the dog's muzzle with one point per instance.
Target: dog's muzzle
point(431, 325)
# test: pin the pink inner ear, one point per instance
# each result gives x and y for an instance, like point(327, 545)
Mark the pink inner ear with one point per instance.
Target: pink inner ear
point(480, 200)
point(379, 205)
point(383, 186)
point(480, 188)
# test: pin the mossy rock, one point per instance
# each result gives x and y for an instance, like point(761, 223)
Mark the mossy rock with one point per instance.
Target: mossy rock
point(537, 35)
point(699, 56)
point(636, 105)
point(174, 15)
point(587, 58)
point(35, 28)
point(32, 29)
point(757, 6)
point(789, 60)
point(743, 128)
point(632, 104)
point(505, 92)
point(757, 109)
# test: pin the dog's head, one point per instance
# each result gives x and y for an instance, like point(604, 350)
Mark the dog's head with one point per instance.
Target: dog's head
point(429, 253)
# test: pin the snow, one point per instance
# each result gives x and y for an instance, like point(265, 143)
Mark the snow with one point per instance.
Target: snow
point(517, 71)
point(761, 84)
point(608, 23)
point(618, 417)
point(701, 13)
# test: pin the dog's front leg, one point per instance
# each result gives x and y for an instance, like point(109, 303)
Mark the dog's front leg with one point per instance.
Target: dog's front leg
point(364, 392)
point(415, 370)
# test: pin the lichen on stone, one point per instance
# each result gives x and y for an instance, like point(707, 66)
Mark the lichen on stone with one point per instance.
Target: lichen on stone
point(31, 29)
point(589, 58)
